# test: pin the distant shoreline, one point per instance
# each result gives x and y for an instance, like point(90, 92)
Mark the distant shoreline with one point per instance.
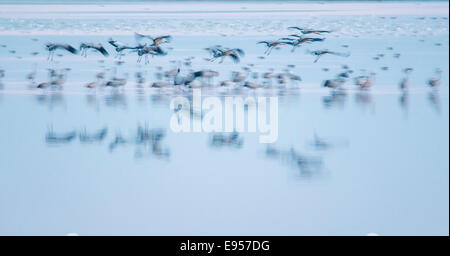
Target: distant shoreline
point(219, 7)
point(172, 17)
point(124, 2)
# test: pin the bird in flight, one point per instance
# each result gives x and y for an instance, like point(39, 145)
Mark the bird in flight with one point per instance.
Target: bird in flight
point(96, 47)
point(320, 53)
point(51, 48)
point(220, 52)
point(270, 45)
point(305, 31)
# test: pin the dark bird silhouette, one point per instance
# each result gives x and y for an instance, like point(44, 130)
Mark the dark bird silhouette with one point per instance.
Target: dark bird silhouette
point(51, 48)
point(310, 31)
point(219, 52)
point(334, 83)
point(149, 50)
point(97, 47)
point(204, 74)
point(320, 53)
point(120, 47)
point(301, 40)
point(270, 45)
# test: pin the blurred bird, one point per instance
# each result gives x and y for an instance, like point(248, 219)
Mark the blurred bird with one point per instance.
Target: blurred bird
point(120, 47)
point(405, 81)
point(310, 31)
point(297, 42)
point(334, 83)
point(97, 47)
point(156, 41)
point(270, 45)
point(320, 53)
point(219, 52)
point(2, 74)
point(365, 82)
point(435, 81)
point(52, 47)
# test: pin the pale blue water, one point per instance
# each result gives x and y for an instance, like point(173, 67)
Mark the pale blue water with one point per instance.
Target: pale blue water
point(386, 171)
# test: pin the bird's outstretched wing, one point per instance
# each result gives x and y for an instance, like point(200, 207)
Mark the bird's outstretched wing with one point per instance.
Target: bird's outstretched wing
point(297, 28)
point(239, 51)
point(264, 42)
point(102, 50)
point(159, 51)
point(343, 54)
point(234, 57)
point(167, 37)
point(69, 48)
point(287, 39)
point(113, 42)
point(216, 51)
point(139, 37)
point(296, 35)
point(322, 31)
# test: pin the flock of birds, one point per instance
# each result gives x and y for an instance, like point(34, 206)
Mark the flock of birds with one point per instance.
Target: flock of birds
point(150, 140)
point(301, 37)
point(150, 47)
point(147, 46)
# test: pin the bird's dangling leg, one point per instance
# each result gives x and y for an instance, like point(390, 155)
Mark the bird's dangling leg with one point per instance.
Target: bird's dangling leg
point(317, 59)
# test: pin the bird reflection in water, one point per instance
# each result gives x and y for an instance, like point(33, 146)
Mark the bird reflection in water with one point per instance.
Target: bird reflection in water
point(365, 100)
point(308, 166)
point(161, 100)
point(94, 137)
point(232, 140)
point(116, 99)
point(91, 100)
point(324, 144)
point(195, 113)
point(140, 96)
point(336, 99)
point(433, 98)
point(51, 100)
point(404, 100)
point(149, 142)
point(53, 138)
point(118, 140)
